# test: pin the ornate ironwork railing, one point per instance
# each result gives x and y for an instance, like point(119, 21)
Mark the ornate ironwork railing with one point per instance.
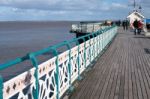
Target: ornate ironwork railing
point(51, 79)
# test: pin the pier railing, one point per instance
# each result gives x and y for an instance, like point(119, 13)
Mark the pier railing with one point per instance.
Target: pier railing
point(51, 79)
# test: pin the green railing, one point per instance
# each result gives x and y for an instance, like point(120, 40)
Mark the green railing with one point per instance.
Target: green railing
point(53, 78)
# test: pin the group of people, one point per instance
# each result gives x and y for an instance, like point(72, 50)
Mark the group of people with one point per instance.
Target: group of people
point(138, 26)
point(124, 24)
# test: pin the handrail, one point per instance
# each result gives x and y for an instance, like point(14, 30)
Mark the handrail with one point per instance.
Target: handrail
point(33, 58)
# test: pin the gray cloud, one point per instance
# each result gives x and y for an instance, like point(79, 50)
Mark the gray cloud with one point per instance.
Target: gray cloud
point(68, 5)
point(145, 3)
point(47, 4)
point(64, 9)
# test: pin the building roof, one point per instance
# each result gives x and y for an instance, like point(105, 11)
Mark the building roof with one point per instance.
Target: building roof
point(137, 14)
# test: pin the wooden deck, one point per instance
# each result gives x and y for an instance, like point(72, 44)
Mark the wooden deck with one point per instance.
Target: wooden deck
point(123, 71)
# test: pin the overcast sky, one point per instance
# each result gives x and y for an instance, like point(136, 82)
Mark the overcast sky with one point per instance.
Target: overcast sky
point(11, 10)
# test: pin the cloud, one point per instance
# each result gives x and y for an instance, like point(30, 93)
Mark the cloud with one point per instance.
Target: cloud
point(63, 9)
point(118, 5)
point(145, 3)
point(47, 4)
point(29, 4)
point(72, 5)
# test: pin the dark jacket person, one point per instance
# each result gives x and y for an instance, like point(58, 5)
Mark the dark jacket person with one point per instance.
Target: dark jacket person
point(135, 24)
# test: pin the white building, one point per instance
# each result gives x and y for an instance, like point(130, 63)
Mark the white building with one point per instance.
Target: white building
point(135, 15)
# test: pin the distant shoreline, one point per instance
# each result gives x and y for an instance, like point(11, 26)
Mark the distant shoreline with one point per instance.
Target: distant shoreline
point(54, 21)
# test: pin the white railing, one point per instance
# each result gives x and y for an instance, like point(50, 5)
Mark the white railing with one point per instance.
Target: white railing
point(51, 79)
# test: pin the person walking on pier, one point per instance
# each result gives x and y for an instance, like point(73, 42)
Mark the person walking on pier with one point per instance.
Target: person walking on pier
point(135, 26)
point(125, 24)
point(140, 27)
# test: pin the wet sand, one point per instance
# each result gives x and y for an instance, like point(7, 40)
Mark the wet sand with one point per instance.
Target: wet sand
point(19, 38)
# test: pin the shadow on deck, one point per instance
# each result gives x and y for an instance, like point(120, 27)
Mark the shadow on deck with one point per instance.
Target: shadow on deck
point(123, 71)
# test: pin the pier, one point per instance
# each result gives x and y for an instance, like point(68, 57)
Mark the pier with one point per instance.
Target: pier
point(121, 73)
point(110, 64)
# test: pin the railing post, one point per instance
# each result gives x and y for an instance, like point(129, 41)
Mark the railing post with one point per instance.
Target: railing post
point(83, 38)
point(84, 52)
point(71, 88)
point(102, 39)
point(97, 48)
point(89, 46)
point(79, 76)
point(1, 87)
point(78, 59)
point(55, 52)
point(101, 43)
point(76, 40)
point(57, 77)
point(97, 43)
point(35, 64)
point(93, 46)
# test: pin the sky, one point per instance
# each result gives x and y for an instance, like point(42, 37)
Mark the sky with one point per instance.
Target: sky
point(73, 10)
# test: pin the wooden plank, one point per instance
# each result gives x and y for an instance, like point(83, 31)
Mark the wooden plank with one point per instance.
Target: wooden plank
point(143, 73)
point(140, 72)
point(117, 90)
point(126, 74)
point(130, 72)
point(146, 75)
point(134, 84)
point(112, 86)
